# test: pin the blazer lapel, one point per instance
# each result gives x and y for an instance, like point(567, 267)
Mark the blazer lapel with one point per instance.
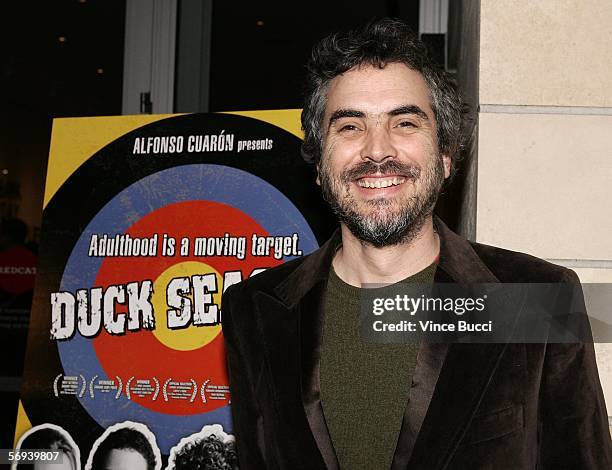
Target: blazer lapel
point(303, 293)
point(311, 331)
point(449, 379)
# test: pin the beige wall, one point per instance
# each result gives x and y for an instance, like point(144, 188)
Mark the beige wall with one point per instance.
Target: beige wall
point(543, 182)
point(546, 52)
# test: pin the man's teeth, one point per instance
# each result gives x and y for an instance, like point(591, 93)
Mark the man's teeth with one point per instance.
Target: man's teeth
point(380, 182)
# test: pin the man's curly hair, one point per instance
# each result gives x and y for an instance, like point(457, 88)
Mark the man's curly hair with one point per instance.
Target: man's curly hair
point(209, 453)
point(377, 44)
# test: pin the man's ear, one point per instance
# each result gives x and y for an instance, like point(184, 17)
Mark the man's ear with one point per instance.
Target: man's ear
point(446, 161)
point(318, 180)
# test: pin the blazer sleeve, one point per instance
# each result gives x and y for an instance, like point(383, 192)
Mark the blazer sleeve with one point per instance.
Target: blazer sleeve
point(573, 417)
point(247, 420)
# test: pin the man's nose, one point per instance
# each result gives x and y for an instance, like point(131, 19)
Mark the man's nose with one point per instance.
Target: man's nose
point(377, 145)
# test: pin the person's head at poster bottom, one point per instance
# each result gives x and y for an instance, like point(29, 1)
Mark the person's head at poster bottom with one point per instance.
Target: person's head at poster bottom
point(125, 446)
point(210, 449)
point(53, 438)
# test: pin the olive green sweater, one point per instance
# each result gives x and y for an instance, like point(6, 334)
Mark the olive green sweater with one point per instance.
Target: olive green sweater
point(364, 386)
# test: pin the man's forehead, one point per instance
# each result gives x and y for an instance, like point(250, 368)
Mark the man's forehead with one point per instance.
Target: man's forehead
point(378, 91)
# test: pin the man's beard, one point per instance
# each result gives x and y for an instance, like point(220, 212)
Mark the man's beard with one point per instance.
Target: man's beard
point(385, 221)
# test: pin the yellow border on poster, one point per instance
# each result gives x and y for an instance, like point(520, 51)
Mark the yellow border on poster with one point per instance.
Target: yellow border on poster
point(74, 140)
point(23, 423)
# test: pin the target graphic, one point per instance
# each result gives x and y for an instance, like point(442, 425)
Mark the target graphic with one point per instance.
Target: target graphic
point(171, 379)
point(209, 206)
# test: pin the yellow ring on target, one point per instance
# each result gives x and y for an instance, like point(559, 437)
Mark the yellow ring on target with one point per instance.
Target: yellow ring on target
point(192, 337)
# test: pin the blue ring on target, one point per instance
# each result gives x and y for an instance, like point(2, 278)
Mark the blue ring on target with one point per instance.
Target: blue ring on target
point(237, 188)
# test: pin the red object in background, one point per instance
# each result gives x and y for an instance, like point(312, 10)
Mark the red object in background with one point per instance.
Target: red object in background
point(17, 270)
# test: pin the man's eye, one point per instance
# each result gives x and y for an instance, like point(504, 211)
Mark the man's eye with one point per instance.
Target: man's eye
point(348, 127)
point(406, 124)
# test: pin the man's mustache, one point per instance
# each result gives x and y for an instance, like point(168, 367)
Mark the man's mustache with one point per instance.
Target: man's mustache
point(390, 167)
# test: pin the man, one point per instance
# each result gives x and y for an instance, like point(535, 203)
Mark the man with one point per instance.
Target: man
point(383, 125)
point(124, 448)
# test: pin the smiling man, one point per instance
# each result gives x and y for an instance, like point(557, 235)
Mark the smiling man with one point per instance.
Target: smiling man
point(383, 126)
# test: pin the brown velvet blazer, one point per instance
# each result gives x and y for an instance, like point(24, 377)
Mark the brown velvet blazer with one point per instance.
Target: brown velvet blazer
point(471, 406)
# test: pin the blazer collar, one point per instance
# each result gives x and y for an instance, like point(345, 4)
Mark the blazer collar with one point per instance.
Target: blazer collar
point(458, 260)
point(458, 263)
point(314, 269)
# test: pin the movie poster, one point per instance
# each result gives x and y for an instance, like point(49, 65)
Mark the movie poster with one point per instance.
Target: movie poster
point(147, 221)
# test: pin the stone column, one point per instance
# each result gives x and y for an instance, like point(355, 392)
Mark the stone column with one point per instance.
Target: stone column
point(539, 170)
